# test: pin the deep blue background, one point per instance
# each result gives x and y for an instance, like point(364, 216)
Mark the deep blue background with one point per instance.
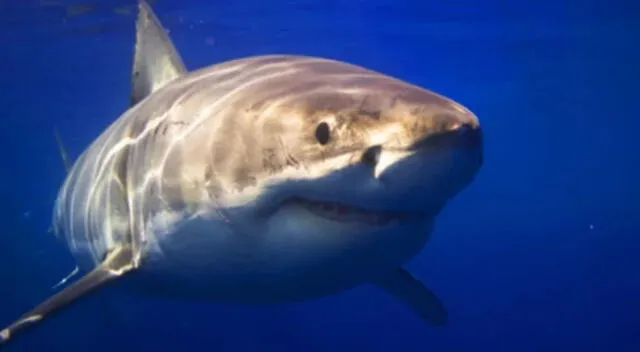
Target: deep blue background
point(541, 253)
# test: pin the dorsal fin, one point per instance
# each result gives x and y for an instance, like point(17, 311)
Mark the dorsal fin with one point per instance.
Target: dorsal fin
point(156, 61)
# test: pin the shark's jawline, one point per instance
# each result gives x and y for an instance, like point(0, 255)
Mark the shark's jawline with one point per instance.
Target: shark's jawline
point(347, 213)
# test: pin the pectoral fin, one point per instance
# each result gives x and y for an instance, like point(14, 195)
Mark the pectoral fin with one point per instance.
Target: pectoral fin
point(401, 284)
point(116, 264)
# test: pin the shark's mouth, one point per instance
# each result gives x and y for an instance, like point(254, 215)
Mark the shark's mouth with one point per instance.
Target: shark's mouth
point(340, 212)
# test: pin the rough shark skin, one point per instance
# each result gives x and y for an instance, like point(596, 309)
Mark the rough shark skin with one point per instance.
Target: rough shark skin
point(262, 180)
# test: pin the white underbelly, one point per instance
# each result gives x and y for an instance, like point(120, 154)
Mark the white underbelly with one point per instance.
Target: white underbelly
point(269, 263)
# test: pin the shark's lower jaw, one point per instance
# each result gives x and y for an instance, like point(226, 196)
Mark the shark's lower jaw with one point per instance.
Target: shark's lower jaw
point(345, 213)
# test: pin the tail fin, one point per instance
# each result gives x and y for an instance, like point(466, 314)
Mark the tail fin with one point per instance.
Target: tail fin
point(63, 151)
point(65, 159)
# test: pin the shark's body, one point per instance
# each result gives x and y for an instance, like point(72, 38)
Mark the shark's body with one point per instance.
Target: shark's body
point(263, 180)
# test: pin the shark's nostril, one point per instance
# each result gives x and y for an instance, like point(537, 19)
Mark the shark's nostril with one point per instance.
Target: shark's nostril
point(371, 156)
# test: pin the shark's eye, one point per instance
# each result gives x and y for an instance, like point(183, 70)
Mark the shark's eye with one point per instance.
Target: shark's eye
point(322, 133)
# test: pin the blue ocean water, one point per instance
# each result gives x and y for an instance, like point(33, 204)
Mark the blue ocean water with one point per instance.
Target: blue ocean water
point(540, 253)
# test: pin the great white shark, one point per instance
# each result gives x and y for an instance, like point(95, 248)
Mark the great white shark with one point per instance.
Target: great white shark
point(262, 180)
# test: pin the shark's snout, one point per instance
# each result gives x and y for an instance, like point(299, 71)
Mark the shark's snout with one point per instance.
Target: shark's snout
point(461, 136)
point(444, 155)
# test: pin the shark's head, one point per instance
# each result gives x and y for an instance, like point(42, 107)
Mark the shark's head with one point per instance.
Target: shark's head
point(310, 170)
point(366, 157)
point(340, 155)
